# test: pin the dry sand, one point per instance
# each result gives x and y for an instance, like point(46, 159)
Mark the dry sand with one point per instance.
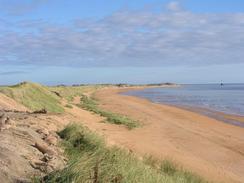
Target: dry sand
point(209, 147)
point(7, 103)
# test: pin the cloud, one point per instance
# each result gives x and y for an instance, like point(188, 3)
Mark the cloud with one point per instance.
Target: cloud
point(12, 73)
point(171, 37)
point(174, 6)
point(16, 7)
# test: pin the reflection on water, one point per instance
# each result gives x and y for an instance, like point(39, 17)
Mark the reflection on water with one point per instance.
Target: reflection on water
point(228, 98)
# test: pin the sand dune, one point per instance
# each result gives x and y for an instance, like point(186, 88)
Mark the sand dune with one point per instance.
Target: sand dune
point(10, 104)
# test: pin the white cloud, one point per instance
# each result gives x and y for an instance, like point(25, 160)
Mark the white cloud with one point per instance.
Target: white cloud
point(129, 38)
point(174, 6)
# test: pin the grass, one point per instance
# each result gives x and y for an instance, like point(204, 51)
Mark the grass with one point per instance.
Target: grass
point(69, 92)
point(33, 96)
point(90, 104)
point(68, 106)
point(91, 161)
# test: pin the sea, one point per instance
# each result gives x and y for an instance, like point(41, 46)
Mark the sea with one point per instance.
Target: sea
point(225, 98)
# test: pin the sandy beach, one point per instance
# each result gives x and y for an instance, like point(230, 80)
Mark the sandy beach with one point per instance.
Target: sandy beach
point(141, 91)
point(209, 147)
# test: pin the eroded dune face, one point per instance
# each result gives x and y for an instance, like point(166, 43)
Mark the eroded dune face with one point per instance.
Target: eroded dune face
point(28, 146)
point(7, 103)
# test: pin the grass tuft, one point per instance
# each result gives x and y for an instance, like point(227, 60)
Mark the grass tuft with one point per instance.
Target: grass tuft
point(114, 118)
point(91, 161)
point(168, 167)
point(68, 106)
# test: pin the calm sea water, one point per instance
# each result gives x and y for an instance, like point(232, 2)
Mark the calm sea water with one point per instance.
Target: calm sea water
point(228, 98)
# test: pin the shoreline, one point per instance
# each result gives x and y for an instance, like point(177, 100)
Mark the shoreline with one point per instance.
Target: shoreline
point(232, 119)
point(229, 118)
point(204, 145)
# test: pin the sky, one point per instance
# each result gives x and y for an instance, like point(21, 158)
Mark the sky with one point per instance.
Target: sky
point(122, 41)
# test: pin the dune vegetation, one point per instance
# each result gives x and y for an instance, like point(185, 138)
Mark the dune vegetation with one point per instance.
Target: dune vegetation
point(69, 92)
point(33, 96)
point(37, 97)
point(91, 161)
point(90, 104)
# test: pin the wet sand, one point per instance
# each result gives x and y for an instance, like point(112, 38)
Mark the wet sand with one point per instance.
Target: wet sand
point(232, 119)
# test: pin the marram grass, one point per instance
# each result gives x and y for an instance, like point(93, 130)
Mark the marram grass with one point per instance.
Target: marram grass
point(90, 104)
point(33, 96)
point(91, 161)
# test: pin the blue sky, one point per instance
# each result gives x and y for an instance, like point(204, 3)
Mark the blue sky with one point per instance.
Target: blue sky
point(107, 41)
